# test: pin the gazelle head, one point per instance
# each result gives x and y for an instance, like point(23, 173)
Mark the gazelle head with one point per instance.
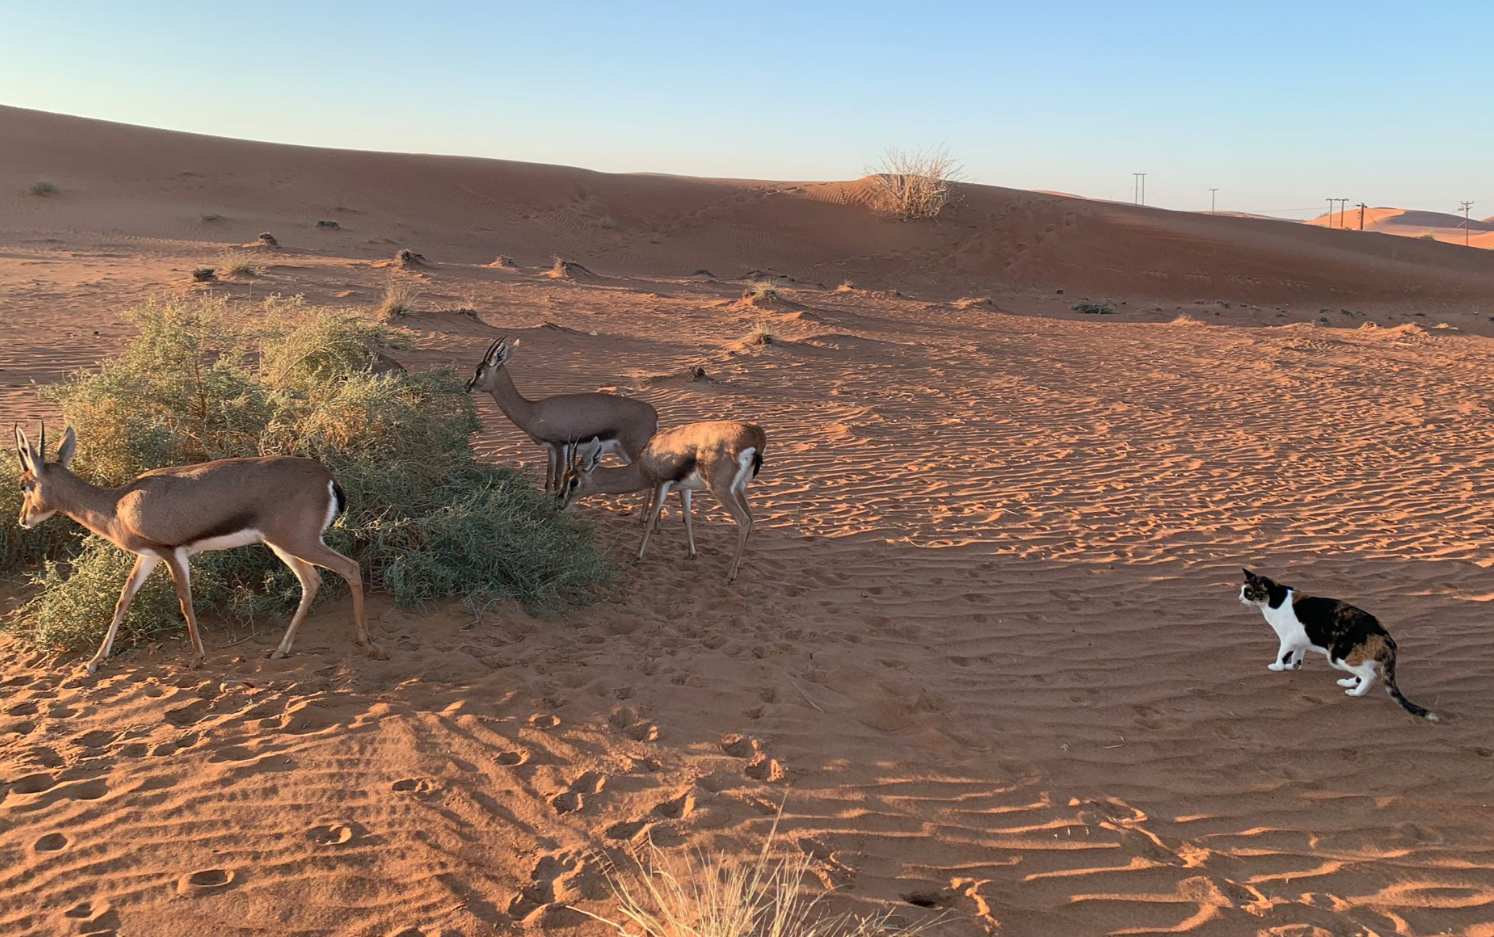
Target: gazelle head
point(38, 479)
point(576, 483)
point(487, 370)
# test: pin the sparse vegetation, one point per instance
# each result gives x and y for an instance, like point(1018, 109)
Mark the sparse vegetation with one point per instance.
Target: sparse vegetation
point(1094, 309)
point(328, 225)
point(238, 264)
point(425, 518)
point(268, 240)
point(43, 188)
point(711, 895)
point(761, 293)
point(761, 333)
point(405, 257)
point(1429, 236)
point(399, 301)
point(503, 260)
point(609, 223)
point(916, 183)
point(204, 274)
point(211, 217)
point(846, 286)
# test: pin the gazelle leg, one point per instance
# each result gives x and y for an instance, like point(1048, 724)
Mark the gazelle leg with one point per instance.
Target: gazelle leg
point(736, 503)
point(145, 564)
point(689, 530)
point(551, 456)
point(181, 574)
point(660, 494)
point(328, 558)
point(311, 581)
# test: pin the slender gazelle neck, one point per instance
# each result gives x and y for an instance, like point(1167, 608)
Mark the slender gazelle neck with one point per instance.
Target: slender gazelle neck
point(614, 480)
point(94, 507)
point(514, 405)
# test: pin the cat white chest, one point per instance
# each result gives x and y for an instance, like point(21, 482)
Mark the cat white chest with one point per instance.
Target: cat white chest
point(1284, 622)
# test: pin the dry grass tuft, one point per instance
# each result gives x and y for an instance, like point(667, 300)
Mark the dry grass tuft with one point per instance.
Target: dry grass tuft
point(504, 260)
point(846, 286)
point(238, 264)
point(567, 269)
point(204, 274)
point(268, 240)
point(916, 183)
point(709, 895)
point(762, 293)
point(399, 301)
point(761, 333)
point(405, 257)
point(43, 188)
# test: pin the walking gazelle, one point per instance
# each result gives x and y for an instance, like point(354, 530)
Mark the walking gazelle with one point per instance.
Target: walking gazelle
point(168, 514)
point(722, 455)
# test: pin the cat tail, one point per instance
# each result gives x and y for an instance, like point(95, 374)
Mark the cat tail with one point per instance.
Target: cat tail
point(1387, 671)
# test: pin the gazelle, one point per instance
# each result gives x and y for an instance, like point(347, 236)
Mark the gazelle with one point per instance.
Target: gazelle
point(168, 514)
point(722, 455)
point(621, 424)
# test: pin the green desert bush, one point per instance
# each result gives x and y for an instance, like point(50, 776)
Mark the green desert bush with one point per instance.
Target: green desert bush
point(1094, 309)
point(424, 517)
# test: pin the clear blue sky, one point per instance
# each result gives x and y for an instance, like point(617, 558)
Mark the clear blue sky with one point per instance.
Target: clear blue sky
point(1279, 104)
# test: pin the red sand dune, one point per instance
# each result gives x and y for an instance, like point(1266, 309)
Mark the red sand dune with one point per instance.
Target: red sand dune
point(985, 650)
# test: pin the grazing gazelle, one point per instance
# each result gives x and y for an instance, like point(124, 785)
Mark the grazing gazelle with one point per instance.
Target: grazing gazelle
point(722, 455)
point(621, 424)
point(171, 513)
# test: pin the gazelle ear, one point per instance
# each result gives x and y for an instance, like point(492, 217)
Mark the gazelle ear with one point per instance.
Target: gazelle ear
point(23, 449)
point(515, 343)
point(69, 447)
point(590, 454)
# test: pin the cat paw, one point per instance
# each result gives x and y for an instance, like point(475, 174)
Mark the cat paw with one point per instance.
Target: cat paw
point(1349, 681)
point(1276, 666)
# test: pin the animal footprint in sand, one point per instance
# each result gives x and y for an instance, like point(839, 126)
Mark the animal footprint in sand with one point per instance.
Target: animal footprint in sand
point(331, 834)
point(544, 721)
point(52, 842)
point(417, 786)
point(573, 798)
point(512, 759)
point(196, 883)
point(626, 721)
point(553, 881)
point(760, 767)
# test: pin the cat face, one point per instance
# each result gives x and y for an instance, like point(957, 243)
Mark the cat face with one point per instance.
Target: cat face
point(1257, 589)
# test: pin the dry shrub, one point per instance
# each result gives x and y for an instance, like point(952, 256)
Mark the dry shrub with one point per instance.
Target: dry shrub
point(424, 517)
point(204, 274)
point(237, 264)
point(916, 183)
point(710, 895)
point(762, 293)
point(43, 188)
point(399, 300)
point(761, 333)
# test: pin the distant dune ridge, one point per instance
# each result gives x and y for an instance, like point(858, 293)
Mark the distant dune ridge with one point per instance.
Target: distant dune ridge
point(161, 184)
point(984, 655)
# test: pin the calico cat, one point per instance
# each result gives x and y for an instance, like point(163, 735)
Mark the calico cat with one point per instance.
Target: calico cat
point(1351, 638)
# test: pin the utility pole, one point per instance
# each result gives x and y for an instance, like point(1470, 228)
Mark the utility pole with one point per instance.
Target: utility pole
point(1211, 199)
point(1329, 222)
point(1362, 207)
point(1466, 207)
point(1138, 188)
point(1343, 204)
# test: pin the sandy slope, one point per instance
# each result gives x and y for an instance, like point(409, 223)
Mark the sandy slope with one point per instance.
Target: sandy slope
point(1443, 226)
point(985, 647)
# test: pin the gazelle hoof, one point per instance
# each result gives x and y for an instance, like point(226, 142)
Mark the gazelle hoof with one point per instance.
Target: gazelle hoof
point(376, 652)
point(92, 666)
point(279, 654)
point(195, 663)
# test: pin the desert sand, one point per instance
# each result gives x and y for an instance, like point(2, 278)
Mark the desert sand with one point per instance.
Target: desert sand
point(1429, 225)
point(985, 653)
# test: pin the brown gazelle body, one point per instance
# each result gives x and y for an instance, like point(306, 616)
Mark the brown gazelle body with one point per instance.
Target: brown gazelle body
point(722, 456)
point(169, 514)
point(621, 424)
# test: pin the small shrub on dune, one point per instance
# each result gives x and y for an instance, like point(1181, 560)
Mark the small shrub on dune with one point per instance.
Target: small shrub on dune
point(761, 333)
point(1094, 309)
point(204, 274)
point(704, 894)
point(425, 518)
point(267, 240)
point(43, 188)
point(238, 264)
point(398, 302)
point(916, 183)
point(211, 218)
point(761, 293)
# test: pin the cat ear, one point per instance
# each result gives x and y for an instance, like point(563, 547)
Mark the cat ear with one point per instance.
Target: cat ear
point(1248, 574)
